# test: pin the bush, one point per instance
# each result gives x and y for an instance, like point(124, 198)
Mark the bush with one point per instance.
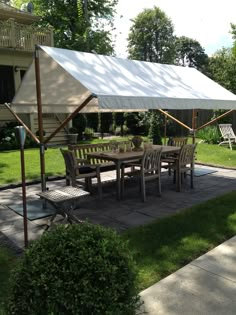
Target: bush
point(8, 139)
point(80, 123)
point(154, 130)
point(88, 133)
point(209, 134)
point(78, 269)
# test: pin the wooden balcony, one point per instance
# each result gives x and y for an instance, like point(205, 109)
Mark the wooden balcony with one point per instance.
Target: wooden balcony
point(23, 37)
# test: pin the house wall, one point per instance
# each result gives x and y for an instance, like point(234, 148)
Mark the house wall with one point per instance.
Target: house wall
point(19, 61)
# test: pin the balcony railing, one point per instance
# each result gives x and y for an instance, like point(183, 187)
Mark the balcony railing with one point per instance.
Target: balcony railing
point(23, 37)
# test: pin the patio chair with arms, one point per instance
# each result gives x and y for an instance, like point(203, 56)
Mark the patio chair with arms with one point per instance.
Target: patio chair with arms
point(75, 172)
point(183, 163)
point(148, 168)
point(227, 134)
point(177, 142)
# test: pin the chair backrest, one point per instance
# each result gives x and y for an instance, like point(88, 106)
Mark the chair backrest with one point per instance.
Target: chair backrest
point(186, 155)
point(151, 160)
point(178, 142)
point(226, 131)
point(70, 163)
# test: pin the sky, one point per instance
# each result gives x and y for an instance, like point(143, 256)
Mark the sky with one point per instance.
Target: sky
point(207, 21)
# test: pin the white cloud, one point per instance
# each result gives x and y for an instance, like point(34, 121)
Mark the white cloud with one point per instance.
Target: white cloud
point(207, 21)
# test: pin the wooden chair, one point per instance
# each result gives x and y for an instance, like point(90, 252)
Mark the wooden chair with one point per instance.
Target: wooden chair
point(178, 141)
point(75, 172)
point(170, 159)
point(148, 168)
point(183, 163)
point(227, 134)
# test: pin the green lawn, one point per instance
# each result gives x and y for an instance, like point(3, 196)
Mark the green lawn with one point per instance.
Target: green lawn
point(168, 244)
point(10, 164)
point(217, 155)
point(10, 161)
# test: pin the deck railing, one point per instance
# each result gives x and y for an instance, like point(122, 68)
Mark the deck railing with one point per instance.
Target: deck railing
point(23, 37)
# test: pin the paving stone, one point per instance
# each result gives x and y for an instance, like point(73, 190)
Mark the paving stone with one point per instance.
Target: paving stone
point(130, 211)
point(190, 291)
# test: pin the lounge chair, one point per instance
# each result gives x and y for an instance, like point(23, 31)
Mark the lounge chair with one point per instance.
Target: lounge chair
point(227, 134)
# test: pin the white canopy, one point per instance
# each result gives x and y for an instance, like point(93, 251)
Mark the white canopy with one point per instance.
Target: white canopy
point(68, 77)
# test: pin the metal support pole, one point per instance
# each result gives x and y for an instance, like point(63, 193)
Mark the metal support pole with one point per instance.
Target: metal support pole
point(20, 133)
point(24, 196)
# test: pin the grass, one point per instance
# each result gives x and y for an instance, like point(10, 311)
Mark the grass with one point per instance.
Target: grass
point(10, 161)
point(10, 164)
point(217, 155)
point(162, 247)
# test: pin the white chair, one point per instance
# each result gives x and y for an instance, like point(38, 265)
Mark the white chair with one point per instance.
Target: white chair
point(227, 134)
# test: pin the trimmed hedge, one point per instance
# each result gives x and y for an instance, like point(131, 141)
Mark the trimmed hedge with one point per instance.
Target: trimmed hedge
point(78, 269)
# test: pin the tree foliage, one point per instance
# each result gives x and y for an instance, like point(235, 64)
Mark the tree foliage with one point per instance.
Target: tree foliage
point(222, 68)
point(83, 25)
point(233, 32)
point(190, 53)
point(151, 37)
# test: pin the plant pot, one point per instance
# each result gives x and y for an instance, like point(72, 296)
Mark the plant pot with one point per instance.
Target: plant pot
point(72, 138)
point(88, 136)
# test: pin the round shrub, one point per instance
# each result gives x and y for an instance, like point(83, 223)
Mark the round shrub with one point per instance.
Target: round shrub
point(78, 269)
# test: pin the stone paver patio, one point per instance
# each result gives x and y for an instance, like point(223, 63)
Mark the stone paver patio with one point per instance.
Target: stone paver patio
point(123, 214)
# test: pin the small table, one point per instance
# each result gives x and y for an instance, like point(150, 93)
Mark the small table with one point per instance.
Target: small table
point(119, 158)
point(58, 197)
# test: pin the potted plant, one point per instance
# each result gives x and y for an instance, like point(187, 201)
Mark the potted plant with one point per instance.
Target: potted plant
point(88, 133)
point(73, 135)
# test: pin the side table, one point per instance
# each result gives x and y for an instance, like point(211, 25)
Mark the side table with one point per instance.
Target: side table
point(63, 200)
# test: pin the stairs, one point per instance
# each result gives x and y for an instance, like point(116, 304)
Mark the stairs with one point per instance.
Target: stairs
point(50, 124)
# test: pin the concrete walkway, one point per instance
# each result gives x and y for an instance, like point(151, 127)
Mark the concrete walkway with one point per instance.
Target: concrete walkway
point(206, 286)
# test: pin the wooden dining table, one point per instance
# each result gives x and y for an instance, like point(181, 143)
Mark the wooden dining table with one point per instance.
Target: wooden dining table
point(123, 157)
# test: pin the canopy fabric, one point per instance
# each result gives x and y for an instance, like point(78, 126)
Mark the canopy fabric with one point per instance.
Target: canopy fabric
point(68, 77)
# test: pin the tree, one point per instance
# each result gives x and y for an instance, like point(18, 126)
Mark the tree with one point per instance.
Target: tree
point(190, 53)
point(78, 24)
point(151, 37)
point(154, 130)
point(222, 68)
point(233, 32)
